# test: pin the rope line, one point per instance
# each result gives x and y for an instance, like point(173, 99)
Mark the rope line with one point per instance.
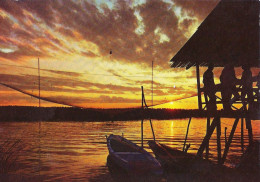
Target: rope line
point(63, 76)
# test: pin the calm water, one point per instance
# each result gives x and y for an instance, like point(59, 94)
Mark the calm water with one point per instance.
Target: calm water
point(77, 151)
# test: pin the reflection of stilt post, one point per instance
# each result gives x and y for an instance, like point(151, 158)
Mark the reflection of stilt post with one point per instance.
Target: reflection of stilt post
point(39, 152)
point(207, 145)
point(242, 134)
point(152, 129)
point(225, 136)
point(184, 145)
point(142, 133)
point(218, 140)
point(229, 141)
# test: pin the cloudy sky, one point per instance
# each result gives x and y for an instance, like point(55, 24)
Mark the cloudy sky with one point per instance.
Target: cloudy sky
point(97, 53)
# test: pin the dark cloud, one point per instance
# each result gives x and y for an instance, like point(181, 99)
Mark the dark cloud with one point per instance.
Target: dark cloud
point(186, 23)
point(110, 29)
point(198, 8)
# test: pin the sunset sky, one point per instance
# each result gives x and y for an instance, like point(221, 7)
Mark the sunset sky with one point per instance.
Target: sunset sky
point(73, 40)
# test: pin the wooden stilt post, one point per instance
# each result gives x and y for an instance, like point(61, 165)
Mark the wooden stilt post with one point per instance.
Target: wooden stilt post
point(208, 135)
point(142, 122)
point(207, 146)
point(218, 140)
point(249, 129)
point(142, 97)
point(229, 141)
point(39, 82)
point(242, 134)
point(183, 149)
point(198, 86)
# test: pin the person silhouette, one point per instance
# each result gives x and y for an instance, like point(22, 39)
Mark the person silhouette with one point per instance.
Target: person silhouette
point(209, 86)
point(228, 86)
point(258, 87)
point(247, 88)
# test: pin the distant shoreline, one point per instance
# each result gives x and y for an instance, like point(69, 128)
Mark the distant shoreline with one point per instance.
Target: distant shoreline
point(30, 114)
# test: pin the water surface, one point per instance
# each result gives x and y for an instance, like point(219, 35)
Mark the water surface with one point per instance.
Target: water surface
point(77, 151)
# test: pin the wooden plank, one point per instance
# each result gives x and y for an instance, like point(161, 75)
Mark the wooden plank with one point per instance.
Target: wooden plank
point(229, 141)
point(208, 135)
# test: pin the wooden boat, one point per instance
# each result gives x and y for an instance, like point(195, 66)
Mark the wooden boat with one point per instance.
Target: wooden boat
point(132, 158)
point(176, 160)
point(170, 157)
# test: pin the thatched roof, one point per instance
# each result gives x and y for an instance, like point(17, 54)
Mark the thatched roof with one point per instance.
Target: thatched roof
point(230, 34)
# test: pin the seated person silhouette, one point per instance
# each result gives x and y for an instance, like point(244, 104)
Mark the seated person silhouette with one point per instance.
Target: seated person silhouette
point(209, 86)
point(228, 86)
point(247, 88)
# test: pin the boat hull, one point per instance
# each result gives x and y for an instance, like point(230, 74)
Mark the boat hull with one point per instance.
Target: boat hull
point(132, 158)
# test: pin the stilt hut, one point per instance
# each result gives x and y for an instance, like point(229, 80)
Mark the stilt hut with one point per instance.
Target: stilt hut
point(230, 34)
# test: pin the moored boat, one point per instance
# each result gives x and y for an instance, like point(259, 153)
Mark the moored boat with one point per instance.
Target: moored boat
point(170, 157)
point(131, 157)
point(177, 160)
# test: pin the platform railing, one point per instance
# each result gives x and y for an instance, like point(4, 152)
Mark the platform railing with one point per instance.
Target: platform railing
point(205, 102)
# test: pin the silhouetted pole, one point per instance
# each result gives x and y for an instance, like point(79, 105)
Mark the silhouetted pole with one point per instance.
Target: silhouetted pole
point(152, 83)
point(144, 105)
point(186, 135)
point(39, 79)
point(229, 141)
point(208, 135)
point(142, 136)
point(198, 86)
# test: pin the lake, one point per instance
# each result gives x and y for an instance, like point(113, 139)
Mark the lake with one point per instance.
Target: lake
point(77, 151)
